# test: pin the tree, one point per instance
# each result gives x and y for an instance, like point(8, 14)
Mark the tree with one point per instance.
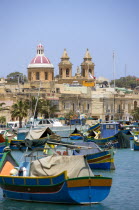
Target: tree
point(135, 113)
point(16, 77)
point(44, 107)
point(20, 110)
point(127, 82)
point(70, 115)
point(47, 109)
point(3, 119)
point(3, 107)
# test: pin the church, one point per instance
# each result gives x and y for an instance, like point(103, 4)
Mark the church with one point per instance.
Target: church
point(41, 69)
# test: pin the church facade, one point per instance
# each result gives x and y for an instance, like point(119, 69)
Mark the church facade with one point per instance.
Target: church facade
point(41, 69)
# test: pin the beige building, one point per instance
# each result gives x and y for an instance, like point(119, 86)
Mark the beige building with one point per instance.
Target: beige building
point(78, 93)
point(40, 67)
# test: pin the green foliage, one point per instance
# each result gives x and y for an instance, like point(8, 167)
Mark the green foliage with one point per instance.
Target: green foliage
point(127, 82)
point(44, 107)
point(15, 77)
point(3, 108)
point(20, 110)
point(70, 115)
point(135, 113)
point(3, 119)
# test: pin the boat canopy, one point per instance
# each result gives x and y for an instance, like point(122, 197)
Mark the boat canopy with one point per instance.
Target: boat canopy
point(76, 166)
point(38, 133)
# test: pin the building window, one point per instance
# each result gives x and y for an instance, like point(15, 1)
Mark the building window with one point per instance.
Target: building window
point(83, 73)
point(129, 107)
point(135, 104)
point(67, 105)
point(67, 72)
point(57, 90)
point(73, 106)
point(46, 75)
point(88, 106)
point(90, 71)
point(60, 72)
point(37, 76)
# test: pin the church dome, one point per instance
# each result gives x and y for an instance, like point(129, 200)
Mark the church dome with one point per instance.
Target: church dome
point(40, 60)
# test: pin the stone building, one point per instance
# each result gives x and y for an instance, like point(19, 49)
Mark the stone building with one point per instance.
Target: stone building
point(78, 93)
point(40, 67)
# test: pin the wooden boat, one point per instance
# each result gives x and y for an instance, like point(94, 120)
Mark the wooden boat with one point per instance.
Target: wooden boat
point(42, 135)
point(97, 158)
point(119, 140)
point(3, 143)
point(76, 135)
point(95, 127)
point(136, 143)
point(53, 179)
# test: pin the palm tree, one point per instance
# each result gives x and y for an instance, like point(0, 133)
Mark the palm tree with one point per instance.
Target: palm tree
point(47, 109)
point(3, 108)
point(35, 106)
point(3, 119)
point(20, 110)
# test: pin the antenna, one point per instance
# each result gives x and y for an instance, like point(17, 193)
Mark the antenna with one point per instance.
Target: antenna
point(114, 68)
point(114, 84)
point(125, 74)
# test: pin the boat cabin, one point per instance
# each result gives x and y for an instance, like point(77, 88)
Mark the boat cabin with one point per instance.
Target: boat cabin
point(108, 129)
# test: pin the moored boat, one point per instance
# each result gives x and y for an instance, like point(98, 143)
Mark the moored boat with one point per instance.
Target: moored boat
point(76, 135)
point(136, 143)
point(53, 179)
point(97, 158)
point(119, 140)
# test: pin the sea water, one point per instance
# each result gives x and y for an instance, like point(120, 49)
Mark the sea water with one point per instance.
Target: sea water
point(124, 193)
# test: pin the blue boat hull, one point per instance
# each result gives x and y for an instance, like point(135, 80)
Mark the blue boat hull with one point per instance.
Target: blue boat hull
point(65, 194)
point(136, 145)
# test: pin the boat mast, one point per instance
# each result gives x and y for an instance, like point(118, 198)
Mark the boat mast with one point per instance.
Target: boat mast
point(36, 103)
point(114, 84)
point(114, 68)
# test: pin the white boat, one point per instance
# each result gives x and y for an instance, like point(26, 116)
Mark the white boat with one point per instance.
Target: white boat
point(52, 122)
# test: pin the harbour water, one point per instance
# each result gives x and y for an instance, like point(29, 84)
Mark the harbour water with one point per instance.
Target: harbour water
point(124, 194)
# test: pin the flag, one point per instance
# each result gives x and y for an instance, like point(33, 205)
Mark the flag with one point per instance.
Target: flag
point(91, 76)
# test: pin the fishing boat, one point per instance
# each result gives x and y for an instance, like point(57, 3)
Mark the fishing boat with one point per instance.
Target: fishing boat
point(76, 135)
point(95, 127)
point(110, 135)
point(51, 122)
point(39, 134)
point(3, 143)
point(136, 143)
point(52, 179)
point(96, 157)
point(119, 140)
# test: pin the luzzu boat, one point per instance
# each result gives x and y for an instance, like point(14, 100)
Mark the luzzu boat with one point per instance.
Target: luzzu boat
point(3, 143)
point(110, 136)
point(52, 179)
point(119, 140)
point(76, 135)
point(95, 127)
point(97, 158)
point(41, 135)
point(136, 143)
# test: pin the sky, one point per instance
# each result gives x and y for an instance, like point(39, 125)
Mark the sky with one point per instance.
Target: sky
point(102, 26)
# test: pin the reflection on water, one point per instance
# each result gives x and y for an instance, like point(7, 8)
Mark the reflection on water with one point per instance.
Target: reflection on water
point(123, 195)
point(17, 205)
